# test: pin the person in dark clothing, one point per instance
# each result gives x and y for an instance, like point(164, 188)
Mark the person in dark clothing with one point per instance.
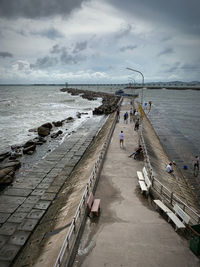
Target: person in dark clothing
point(137, 123)
point(137, 152)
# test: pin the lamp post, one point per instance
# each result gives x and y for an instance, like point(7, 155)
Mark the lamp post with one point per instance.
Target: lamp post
point(142, 82)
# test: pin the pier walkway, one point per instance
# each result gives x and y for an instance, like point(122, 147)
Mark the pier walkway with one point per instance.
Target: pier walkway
point(129, 231)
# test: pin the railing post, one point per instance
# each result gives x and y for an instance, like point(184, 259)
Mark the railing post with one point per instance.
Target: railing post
point(171, 198)
point(74, 223)
point(161, 189)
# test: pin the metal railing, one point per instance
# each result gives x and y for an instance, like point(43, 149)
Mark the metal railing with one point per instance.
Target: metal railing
point(164, 193)
point(76, 222)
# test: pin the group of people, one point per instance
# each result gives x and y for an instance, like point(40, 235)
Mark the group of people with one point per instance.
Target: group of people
point(133, 115)
point(169, 168)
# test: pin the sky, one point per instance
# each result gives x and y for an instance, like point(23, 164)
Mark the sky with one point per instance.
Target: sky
point(94, 41)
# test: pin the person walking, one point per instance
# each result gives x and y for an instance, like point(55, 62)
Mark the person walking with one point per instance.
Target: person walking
point(121, 139)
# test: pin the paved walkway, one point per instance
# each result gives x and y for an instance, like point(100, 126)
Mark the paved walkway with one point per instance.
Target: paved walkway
point(129, 232)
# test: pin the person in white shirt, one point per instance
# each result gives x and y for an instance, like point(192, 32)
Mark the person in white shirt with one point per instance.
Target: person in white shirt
point(121, 139)
point(169, 168)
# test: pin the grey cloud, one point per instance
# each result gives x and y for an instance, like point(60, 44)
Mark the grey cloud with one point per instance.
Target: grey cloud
point(5, 54)
point(181, 14)
point(191, 67)
point(45, 62)
point(61, 56)
point(51, 33)
point(68, 58)
point(124, 31)
point(37, 8)
point(128, 47)
point(56, 49)
point(80, 46)
point(166, 51)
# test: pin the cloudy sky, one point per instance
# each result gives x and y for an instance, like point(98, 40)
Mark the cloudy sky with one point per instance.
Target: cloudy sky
point(94, 41)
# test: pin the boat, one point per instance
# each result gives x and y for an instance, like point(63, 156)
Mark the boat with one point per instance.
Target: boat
point(121, 93)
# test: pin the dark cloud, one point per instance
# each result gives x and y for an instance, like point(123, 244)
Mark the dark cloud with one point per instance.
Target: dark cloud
point(5, 54)
point(80, 46)
point(166, 51)
point(128, 47)
point(182, 14)
point(56, 49)
point(37, 8)
point(61, 55)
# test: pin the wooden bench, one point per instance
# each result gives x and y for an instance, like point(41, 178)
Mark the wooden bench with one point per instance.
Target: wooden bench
point(93, 205)
point(173, 217)
point(143, 180)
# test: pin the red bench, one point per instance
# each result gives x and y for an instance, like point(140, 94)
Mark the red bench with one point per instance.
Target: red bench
point(93, 205)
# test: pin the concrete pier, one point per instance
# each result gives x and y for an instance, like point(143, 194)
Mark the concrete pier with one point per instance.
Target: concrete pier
point(129, 231)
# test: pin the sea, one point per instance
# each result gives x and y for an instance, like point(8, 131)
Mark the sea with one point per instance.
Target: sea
point(174, 115)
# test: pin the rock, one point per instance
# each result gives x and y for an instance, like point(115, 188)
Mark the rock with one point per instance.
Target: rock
point(33, 130)
point(57, 123)
point(29, 143)
point(7, 175)
point(78, 115)
point(47, 125)
point(39, 140)
point(14, 164)
point(43, 131)
point(29, 150)
point(4, 155)
point(54, 135)
point(69, 119)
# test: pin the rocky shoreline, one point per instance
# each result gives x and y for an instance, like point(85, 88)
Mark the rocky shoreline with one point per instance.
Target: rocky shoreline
point(11, 160)
point(109, 101)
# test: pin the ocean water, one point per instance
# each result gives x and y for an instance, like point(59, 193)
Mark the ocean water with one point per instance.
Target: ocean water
point(27, 107)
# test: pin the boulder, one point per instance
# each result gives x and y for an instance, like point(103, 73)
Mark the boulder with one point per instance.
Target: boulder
point(57, 123)
point(7, 175)
point(47, 125)
point(43, 131)
point(29, 150)
point(29, 143)
point(69, 119)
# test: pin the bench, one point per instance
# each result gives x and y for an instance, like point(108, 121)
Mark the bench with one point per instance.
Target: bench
point(143, 180)
point(93, 205)
point(173, 216)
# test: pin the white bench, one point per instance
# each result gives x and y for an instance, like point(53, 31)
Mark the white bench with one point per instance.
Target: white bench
point(173, 217)
point(162, 206)
point(143, 180)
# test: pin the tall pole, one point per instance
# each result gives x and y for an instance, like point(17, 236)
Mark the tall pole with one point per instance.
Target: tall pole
point(142, 82)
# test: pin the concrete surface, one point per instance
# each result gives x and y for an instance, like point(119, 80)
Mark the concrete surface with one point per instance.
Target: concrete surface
point(129, 231)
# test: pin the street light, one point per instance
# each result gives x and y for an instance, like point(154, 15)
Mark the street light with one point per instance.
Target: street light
point(142, 82)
